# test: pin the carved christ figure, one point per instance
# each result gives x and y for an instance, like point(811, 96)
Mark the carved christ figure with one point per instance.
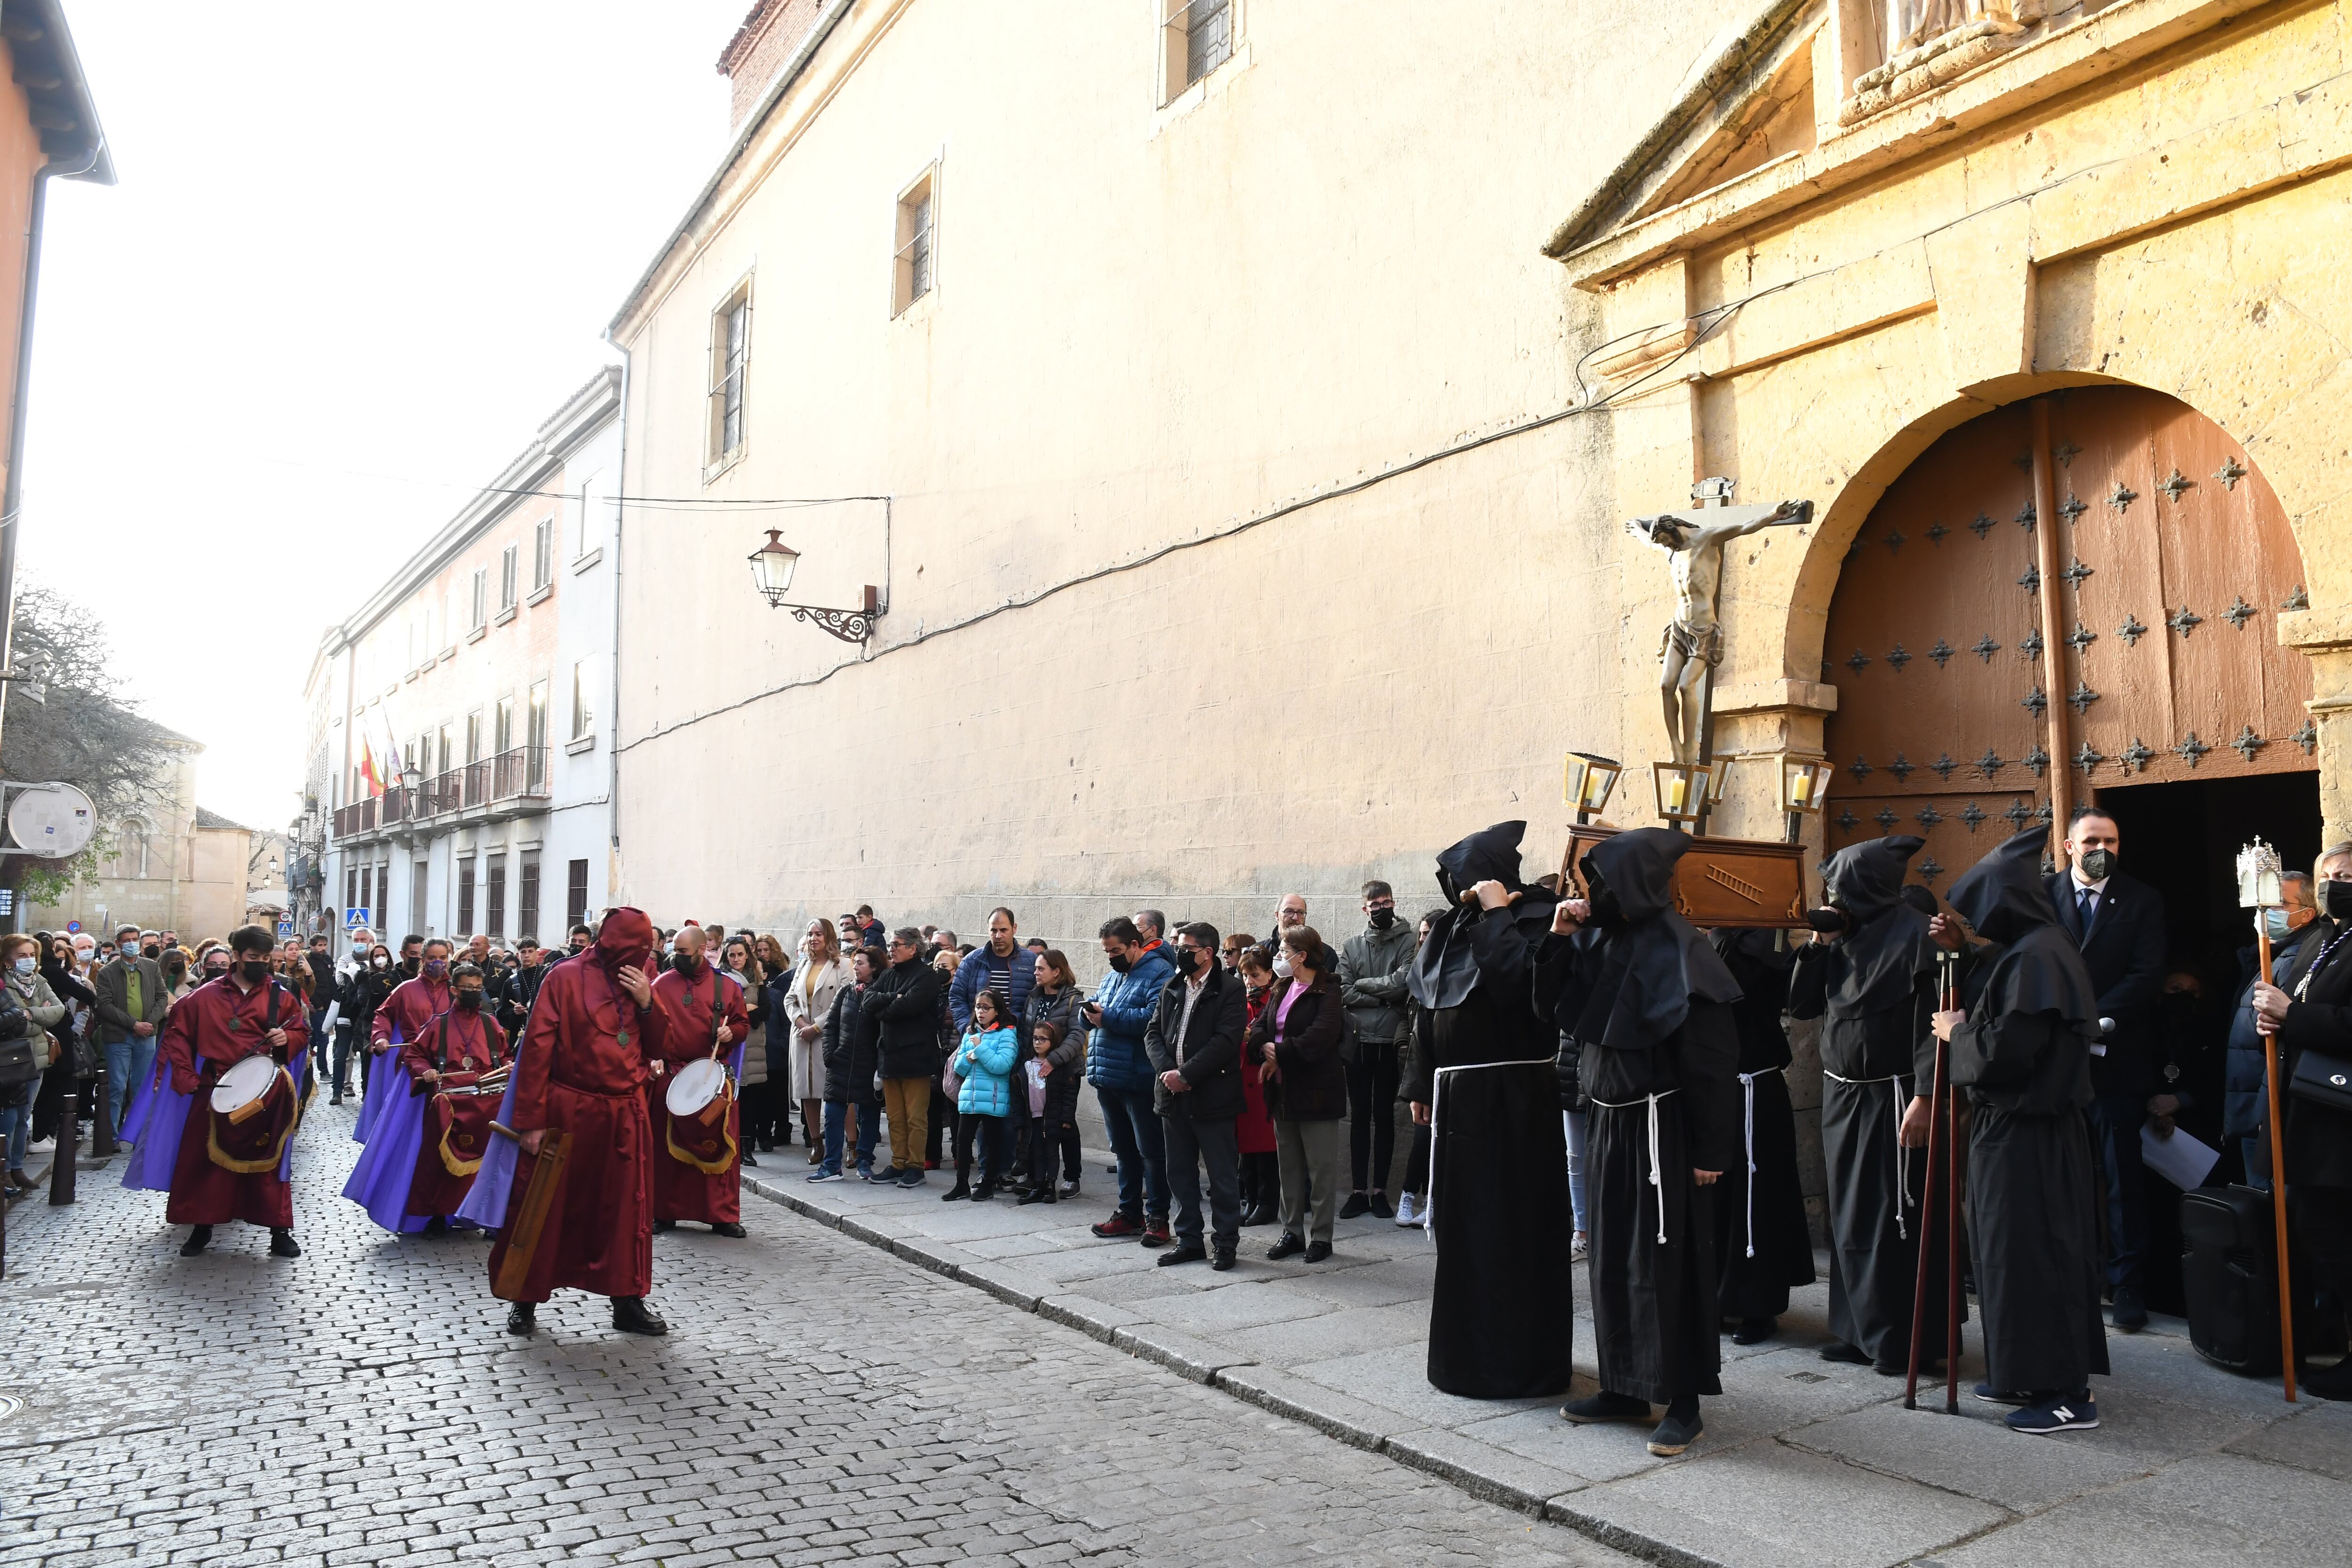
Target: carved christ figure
point(1693, 644)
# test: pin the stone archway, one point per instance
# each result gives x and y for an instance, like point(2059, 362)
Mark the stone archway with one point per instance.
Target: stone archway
point(2177, 561)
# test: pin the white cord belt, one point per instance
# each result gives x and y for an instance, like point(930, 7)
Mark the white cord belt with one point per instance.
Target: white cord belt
point(1895, 1113)
point(1748, 1087)
point(1651, 1101)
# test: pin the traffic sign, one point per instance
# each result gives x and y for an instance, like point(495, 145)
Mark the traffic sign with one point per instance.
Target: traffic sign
point(7, 900)
point(284, 929)
point(354, 918)
point(73, 928)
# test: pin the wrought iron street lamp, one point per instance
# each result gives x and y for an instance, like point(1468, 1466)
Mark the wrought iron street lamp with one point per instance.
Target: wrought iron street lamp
point(772, 573)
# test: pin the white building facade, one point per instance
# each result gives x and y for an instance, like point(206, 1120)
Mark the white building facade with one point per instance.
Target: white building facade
point(469, 762)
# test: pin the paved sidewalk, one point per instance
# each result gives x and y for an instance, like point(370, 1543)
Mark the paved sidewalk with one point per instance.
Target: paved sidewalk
point(1804, 1461)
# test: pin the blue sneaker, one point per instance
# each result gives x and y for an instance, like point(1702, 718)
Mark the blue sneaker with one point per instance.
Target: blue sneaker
point(1992, 1395)
point(2065, 1414)
point(821, 1174)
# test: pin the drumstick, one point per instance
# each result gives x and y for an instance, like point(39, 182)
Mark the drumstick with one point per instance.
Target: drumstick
point(505, 1131)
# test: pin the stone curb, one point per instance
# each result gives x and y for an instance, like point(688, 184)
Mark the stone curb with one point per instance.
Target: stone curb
point(1483, 1471)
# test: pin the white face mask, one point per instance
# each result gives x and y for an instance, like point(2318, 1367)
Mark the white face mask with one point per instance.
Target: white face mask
point(26, 966)
point(381, 961)
point(1282, 965)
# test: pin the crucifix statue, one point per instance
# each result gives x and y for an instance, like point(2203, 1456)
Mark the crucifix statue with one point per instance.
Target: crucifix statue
point(1693, 646)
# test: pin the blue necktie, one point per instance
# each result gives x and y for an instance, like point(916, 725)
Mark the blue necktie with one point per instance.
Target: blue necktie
point(2082, 897)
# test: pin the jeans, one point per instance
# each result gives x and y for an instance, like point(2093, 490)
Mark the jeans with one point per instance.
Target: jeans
point(1192, 1144)
point(1309, 1155)
point(907, 1102)
point(994, 1135)
point(1372, 1114)
point(319, 1038)
point(128, 1062)
point(1574, 1122)
point(2255, 1152)
point(1136, 1138)
point(344, 1059)
point(869, 1127)
point(2114, 1131)
point(17, 1122)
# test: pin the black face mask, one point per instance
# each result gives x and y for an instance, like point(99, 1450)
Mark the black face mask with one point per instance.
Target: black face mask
point(255, 970)
point(2335, 900)
point(2098, 865)
point(216, 971)
point(1826, 920)
point(1383, 919)
point(1188, 961)
point(152, 950)
point(176, 970)
point(1119, 963)
point(1607, 912)
point(685, 965)
point(471, 1001)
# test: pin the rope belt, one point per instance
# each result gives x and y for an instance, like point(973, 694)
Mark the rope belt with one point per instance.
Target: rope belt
point(1437, 1108)
point(1651, 1101)
point(1748, 1087)
point(1895, 1114)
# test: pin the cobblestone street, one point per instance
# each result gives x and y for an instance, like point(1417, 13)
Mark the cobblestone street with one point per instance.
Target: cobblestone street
point(816, 1400)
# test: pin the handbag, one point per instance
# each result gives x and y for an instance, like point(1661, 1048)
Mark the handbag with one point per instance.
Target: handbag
point(17, 1068)
point(2323, 1080)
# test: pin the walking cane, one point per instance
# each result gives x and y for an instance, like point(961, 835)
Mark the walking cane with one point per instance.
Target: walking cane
point(2258, 889)
point(1937, 1139)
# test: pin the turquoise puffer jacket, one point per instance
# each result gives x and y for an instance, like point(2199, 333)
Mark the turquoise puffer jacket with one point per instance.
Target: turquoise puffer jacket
point(985, 1062)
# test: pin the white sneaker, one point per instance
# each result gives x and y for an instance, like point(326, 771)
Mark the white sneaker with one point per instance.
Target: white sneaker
point(1413, 1211)
point(45, 1146)
point(1578, 1248)
point(1404, 1209)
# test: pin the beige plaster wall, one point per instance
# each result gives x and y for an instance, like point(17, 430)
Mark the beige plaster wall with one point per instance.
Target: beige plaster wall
point(1149, 325)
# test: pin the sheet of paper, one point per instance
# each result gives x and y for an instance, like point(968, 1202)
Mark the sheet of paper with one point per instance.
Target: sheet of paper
point(2180, 1159)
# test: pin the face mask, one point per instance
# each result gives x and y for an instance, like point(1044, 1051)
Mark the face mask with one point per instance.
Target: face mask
point(1282, 966)
point(686, 965)
point(2335, 900)
point(216, 971)
point(2274, 924)
point(1188, 961)
point(381, 961)
point(256, 970)
point(436, 967)
point(1383, 919)
point(176, 970)
point(1828, 921)
point(152, 950)
point(2098, 865)
point(1119, 963)
point(26, 966)
point(471, 1001)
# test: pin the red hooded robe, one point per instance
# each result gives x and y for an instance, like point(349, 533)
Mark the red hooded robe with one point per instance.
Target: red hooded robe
point(682, 1191)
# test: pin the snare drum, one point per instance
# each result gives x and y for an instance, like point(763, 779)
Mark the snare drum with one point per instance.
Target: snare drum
point(244, 1085)
point(693, 1087)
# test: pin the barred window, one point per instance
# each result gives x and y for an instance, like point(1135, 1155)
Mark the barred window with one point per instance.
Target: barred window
point(1198, 38)
point(731, 351)
point(914, 270)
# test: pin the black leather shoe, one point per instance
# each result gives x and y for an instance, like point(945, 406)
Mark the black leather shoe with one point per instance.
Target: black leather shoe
point(1838, 1349)
point(199, 1237)
point(955, 1194)
point(1754, 1331)
point(632, 1316)
point(1317, 1251)
point(1190, 1253)
point(660, 1224)
point(728, 1228)
point(1224, 1260)
point(281, 1245)
point(2129, 1311)
point(1291, 1245)
point(522, 1318)
point(437, 1225)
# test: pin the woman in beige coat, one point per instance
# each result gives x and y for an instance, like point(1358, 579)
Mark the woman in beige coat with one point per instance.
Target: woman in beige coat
point(808, 1002)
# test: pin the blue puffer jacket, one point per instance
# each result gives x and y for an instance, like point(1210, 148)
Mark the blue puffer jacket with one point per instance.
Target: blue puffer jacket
point(985, 1063)
point(1115, 1058)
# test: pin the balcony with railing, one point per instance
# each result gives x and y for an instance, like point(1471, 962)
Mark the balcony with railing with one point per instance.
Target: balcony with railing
point(512, 783)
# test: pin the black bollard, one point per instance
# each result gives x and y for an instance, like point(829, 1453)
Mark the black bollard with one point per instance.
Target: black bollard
point(61, 1170)
point(102, 1127)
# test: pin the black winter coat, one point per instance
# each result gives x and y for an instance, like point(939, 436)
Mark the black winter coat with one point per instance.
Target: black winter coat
point(1313, 1082)
point(1067, 1060)
point(906, 999)
point(1213, 1046)
point(851, 1049)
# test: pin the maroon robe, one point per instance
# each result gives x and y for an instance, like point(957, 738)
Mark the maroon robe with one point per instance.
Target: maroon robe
point(211, 1028)
point(412, 1005)
point(682, 1191)
point(573, 1070)
point(476, 1043)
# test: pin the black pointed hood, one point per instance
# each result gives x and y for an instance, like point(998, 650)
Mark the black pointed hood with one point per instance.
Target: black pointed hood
point(2001, 896)
point(1887, 944)
point(1866, 879)
point(1445, 972)
point(1656, 963)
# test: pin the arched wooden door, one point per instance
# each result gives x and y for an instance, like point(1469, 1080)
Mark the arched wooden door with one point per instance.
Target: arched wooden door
point(2176, 562)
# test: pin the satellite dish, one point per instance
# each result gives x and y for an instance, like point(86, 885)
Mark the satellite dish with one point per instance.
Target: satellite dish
point(53, 821)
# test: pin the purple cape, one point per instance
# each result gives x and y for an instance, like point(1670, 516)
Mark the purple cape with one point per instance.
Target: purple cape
point(157, 1119)
point(387, 1165)
point(385, 1087)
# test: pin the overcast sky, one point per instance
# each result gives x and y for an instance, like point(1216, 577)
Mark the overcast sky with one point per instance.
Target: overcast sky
point(357, 253)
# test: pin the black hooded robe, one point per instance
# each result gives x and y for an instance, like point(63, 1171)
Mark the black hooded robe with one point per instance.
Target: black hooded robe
point(1650, 1006)
point(1502, 1316)
point(1875, 987)
point(1761, 1240)
point(2024, 1056)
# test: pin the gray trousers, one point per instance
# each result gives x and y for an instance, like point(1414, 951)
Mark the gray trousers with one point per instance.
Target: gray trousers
point(1309, 1153)
point(1192, 1144)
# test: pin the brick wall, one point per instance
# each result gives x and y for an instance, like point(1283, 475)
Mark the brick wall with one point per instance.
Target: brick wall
point(769, 35)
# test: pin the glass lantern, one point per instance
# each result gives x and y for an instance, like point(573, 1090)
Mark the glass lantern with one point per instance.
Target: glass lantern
point(1804, 785)
point(771, 567)
point(1586, 782)
point(1681, 789)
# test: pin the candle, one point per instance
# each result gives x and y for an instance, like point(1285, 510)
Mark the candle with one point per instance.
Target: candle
point(1800, 788)
point(1675, 794)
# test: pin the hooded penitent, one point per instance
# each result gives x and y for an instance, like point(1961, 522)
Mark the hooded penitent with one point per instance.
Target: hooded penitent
point(1657, 964)
point(2039, 969)
point(1446, 971)
point(625, 940)
point(1888, 943)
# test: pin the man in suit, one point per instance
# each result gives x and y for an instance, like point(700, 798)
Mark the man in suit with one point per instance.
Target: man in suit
point(131, 1002)
point(2117, 924)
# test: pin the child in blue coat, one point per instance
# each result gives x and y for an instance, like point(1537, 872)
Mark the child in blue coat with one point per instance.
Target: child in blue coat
point(984, 1060)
